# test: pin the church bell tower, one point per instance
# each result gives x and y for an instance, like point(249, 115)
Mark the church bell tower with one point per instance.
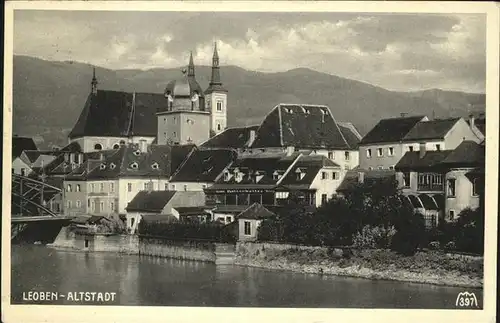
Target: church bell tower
point(216, 98)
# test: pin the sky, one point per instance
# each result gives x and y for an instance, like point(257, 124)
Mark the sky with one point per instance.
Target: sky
point(403, 52)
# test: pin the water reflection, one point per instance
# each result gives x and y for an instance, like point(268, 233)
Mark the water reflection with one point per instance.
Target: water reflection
point(160, 281)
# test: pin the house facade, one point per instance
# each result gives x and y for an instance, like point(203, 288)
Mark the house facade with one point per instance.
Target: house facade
point(390, 139)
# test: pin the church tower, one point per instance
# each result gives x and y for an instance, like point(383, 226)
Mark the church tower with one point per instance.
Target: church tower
point(216, 98)
point(184, 118)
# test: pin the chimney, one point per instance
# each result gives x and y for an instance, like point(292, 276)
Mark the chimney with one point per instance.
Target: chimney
point(251, 138)
point(361, 177)
point(143, 146)
point(290, 150)
point(471, 120)
point(422, 150)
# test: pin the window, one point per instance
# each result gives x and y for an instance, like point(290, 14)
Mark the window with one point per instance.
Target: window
point(346, 167)
point(381, 167)
point(154, 166)
point(69, 204)
point(368, 153)
point(380, 152)
point(406, 179)
point(228, 219)
point(166, 186)
point(93, 206)
point(92, 187)
point(111, 187)
point(173, 187)
point(370, 168)
point(410, 148)
point(116, 146)
point(475, 187)
point(101, 187)
point(334, 175)
point(86, 243)
point(174, 134)
point(219, 105)
point(102, 166)
point(438, 147)
point(185, 187)
point(248, 228)
point(175, 120)
point(88, 203)
point(346, 155)
point(112, 166)
point(78, 188)
point(324, 175)
point(134, 165)
point(101, 205)
point(78, 203)
point(391, 167)
point(331, 155)
point(132, 221)
point(146, 186)
point(97, 147)
point(23, 171)
point(451, 187)
point(68, 188)
point(204, 186)
point(451, 214)
point(218, 127)
point(112, 206)
point(129, 187)
point(391, 151)
point(324, 197)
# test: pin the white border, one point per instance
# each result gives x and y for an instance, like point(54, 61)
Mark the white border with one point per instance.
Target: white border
point(37, 313)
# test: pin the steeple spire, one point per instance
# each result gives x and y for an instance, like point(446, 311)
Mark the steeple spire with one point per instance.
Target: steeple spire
point(215, 82)
point(94, 82)
point(191, 65)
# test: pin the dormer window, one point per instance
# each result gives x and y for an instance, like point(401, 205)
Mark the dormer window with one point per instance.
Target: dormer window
point(134, 165)
point(227, 176)
point(116, 146)
point(137, 152)
point(276, 175)
point(112, 166)
point(155, 166)
point(206, 171)
point(102, 166)
point(299, 174)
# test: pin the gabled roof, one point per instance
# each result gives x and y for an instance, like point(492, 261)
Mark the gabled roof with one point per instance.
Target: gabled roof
point(129, 161)
point(432, 129)
point(191, 210)
point(118, 114)
point(19, 144)
point(235, 138)
point(351, 178)
point(391, 130)
point(301, 126)
point(204, 165)
point(412, 160)
point(309, 167)
point(468, 153)
point(163, 218)
point(350, 133)
point(179, 155)
point(255, 212)
point(153, 201)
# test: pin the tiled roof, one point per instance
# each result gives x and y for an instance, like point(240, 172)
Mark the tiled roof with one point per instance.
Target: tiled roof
point(234, 209)
point(20, 144)
point(118, 114)
point(179, 155)
point(412, 160)
point(468, 153)
point(480, 124)
point(150, 201)
point(235, 138)
point(191, 210)
point(350, 134)
point(129, 161)
point(165, 218)
point(432, 129)
point(351, 178)
point(301, 126)
point(256, 212)
point(204, 165)
point(391, 130)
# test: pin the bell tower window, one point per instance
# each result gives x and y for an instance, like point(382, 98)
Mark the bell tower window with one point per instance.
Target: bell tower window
point(219, 105)
point(218, 127)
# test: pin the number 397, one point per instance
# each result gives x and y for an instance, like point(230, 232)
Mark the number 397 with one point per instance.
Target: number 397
point(466, 299)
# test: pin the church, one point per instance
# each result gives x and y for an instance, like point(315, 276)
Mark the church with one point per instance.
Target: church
point(183, 114)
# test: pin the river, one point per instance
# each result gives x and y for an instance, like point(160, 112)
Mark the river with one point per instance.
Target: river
point(167, 282)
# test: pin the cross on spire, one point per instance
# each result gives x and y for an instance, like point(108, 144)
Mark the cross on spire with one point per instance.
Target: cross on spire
point(94, 82)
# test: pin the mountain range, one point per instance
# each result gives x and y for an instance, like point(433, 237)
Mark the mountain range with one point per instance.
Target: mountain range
point(48, 96)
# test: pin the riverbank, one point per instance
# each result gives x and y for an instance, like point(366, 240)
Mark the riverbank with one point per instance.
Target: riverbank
point(424, 267)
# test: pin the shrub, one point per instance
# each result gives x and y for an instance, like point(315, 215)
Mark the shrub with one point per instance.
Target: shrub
point(374, 237)
point(410, 231)
point(434, 245)
point(450, 246)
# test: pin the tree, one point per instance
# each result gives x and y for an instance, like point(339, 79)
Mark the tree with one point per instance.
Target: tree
point(409, 234)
